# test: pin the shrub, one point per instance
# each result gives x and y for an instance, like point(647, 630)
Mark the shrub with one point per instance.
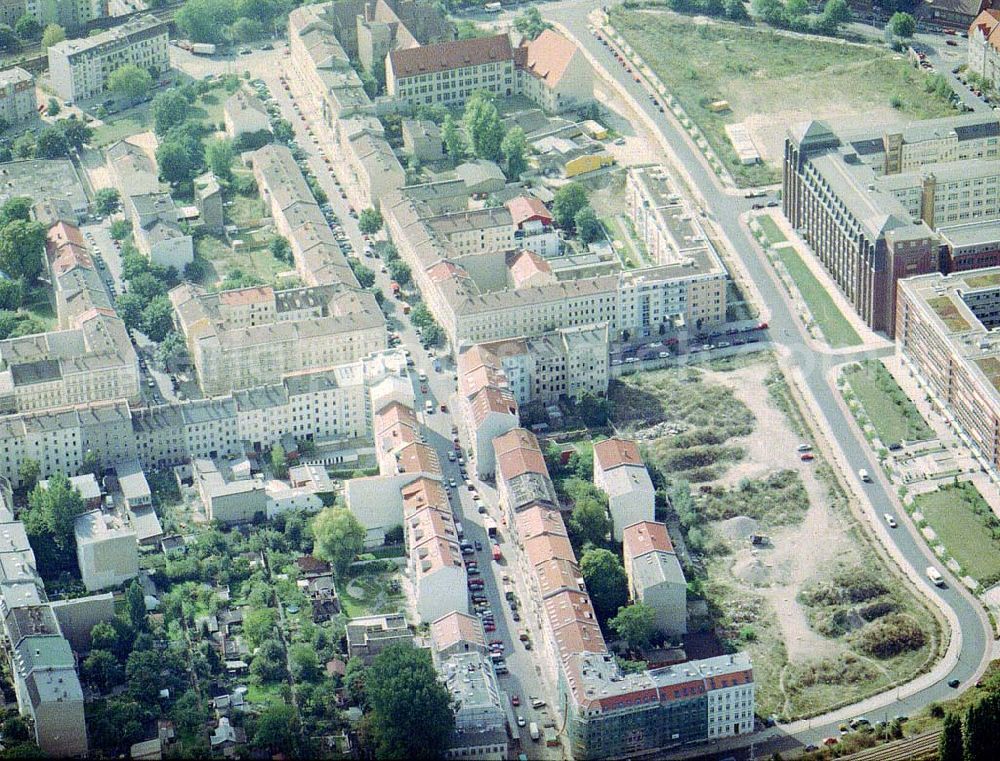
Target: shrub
point(891, 635)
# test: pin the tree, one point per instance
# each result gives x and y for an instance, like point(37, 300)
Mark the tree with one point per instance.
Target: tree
point(268, 664)
point(514, 148)
point(143, 671)
point(796, 8)
point(114, 636)
point(304, 664)
point(486, 131)
point(206, 20)
point(950, 743)
point(400, 271)
point(277, 729)
point(735, 10)
point(588, 227)
point(52, 107)
point(120, 229)
point(365, 276)
point(770, 11)
point(370, 221)
point(606, 581)
point(979, 733)
point(135, 606)
point(28, 472)
point(146, 286)
point(53, 33)
point(175, 163)
point(636, 624)
point(411, 715)
point(106, 201)
point(102, 670)
point(18, 207)
point(258, 626)
point(531, 24)
point(454, 141)
point(568, 200)
point(8, 40)
point(158, 319)
point(902, 25)
point(53, 511)
point(589, 522)
point(355, 676)
point(130, 82)
point(129, 308)
point(77, 133)
point(835, 13)
point(91, 464)
point(21, 246)
point(24, 146)
point(11, 294)
point(339, 537)
point(246, 30)
point(219, 154)
point(171, 354)
point(51, 143)
point(27, 28)
point(169, 109)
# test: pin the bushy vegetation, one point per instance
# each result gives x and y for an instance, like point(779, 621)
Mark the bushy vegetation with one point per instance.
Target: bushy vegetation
point(776, 500)
point(891, 635)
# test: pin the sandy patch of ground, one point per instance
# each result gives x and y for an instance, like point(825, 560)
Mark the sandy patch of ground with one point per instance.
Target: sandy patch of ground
point(777, 572)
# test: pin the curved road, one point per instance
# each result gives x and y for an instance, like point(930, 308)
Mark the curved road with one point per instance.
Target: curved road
point(725, 210)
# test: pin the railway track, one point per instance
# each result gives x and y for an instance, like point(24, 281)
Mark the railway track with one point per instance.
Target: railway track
point(919, 748)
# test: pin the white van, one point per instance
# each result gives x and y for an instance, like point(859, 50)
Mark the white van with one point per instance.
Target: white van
point(865, 476)
point(935, 575)
point(429, 406)
point(533, 731)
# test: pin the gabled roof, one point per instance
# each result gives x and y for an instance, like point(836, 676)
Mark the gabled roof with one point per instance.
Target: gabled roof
point(526, 208)
point(611, 453)
point(548, 56)
point(645, 536)
point(444, 56)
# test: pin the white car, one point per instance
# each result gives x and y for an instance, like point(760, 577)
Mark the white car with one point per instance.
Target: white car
point(865, 476)
point(520, 721)
point(890, 521)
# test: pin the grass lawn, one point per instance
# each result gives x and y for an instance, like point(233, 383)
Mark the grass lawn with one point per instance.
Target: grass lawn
point(378, 598)
point(770, 229)
point(967, 527)
point(773, 77)
point(835, 328)
point(38, 303)
point(254, 258)
point(120, 126)
point(264, 694)
point(893, 415)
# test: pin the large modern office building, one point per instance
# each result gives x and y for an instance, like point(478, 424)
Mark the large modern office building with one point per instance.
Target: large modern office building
point(877, 206)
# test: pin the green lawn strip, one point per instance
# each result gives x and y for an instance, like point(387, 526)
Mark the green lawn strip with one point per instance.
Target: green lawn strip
point(836, 329)
point(766, 72)
point(890, 411)
point(967, 528)
point(770, 229)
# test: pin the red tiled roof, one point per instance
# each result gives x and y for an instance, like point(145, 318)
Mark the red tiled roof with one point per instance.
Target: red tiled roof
point(548, 56)
point(443, 56)
point(525, 208)
point(247, 295)
point(611, 453)
point(643, 537)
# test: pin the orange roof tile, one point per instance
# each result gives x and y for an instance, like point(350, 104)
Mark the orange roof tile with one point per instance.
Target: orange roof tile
point(611, 453)
point(546, 547)
point(643, 537)
point(418, 458)
point(538, 520)
point(526, 208)
point(422, 493)
point(558, 574)
point(520, 461)
point(491, 399)
point(444, 56)
point(243, 296)
point(548, 56)
point(456, 627)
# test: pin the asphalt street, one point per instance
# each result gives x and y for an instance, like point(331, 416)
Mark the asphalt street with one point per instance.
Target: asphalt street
point(725, 209)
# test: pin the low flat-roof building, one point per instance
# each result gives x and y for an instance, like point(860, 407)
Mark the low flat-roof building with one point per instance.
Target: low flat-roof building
point(367, 636)
point(422, 139)
point(107, 550)
point(226, 499)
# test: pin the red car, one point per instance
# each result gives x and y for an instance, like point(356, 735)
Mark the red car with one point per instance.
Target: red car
point(515, 701)
point(490, 627)
point(807, 457)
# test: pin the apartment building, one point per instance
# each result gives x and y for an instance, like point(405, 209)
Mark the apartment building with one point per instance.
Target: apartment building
point(550, 70)
point(608, 713)
point(480, 707)
point(870, 203)
point(449, 72)
point(654, 575)
point(297, 216)
point(435, 561)
point(376, 169)
point(329, 407)
point(473, 231)
point(457, 633)
point(488, 408)
point(422, 139)
point(945, 331)
point(72, 15)
point(255, 336)
point(620, 473)
point(54, 184)
point(229, 498)
point(41, 663)
point(983, 51)
point(18, 101)
point(107, 549)
point(533, 230)
point(77, 285)
point(79, 68)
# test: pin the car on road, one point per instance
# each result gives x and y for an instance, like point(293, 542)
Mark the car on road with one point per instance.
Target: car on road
point(515, 700)
point(520, 721)
point(865, 476)
point(934, 575)
point(807, 457)
point(804, 448)
point(479, 546)
point(890, 521)
point(954, 683)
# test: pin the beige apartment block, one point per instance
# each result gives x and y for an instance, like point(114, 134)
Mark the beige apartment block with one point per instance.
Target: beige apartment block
point(79, 68)
point(18, 102)
point(107, 550)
